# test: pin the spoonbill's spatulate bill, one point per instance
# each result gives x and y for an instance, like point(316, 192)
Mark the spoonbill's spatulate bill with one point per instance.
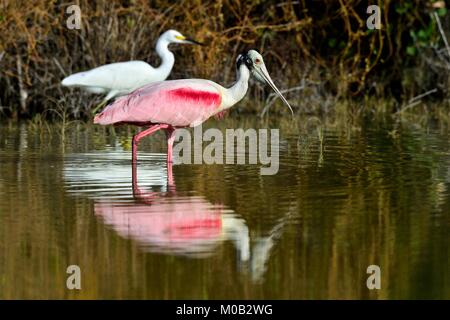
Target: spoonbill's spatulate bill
point(183, 103)
point(118, 79)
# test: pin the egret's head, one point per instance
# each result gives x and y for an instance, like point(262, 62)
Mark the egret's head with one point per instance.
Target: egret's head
point(254, 62)
point(173, 36)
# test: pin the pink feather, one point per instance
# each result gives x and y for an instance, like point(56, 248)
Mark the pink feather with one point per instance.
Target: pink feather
point(178, 103)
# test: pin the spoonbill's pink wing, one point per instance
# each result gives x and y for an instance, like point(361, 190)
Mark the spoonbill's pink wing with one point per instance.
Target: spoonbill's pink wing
point(179, 103)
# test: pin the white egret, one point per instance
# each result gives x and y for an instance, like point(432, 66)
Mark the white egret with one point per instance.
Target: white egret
point(121, 78)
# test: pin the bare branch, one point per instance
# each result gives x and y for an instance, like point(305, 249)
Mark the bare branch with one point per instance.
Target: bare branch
point(442, 32)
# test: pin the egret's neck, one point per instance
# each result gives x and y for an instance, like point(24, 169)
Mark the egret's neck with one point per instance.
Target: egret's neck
point(239, 88)
point(167, 57)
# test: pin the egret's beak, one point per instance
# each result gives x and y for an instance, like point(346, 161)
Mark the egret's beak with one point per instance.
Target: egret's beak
point(192, 41)
point(184, 39)
point(261, 72)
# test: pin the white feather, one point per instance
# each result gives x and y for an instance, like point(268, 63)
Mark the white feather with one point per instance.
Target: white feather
point(121, 78)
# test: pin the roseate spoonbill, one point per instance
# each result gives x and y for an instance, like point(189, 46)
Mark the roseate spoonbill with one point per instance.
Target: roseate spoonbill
point(121, 78)
point(183, 103)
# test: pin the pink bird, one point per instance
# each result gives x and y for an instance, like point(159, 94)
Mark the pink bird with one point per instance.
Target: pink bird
point(173, 104)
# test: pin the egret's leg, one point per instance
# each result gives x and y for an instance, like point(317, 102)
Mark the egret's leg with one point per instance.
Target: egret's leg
point(142, 134)
point(99, 106)
point(170, 132)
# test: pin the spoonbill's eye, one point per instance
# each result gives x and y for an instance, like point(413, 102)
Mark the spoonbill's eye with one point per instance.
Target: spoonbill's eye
point(257, 61)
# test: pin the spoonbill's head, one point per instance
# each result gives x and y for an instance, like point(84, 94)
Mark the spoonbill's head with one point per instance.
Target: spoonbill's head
point(253, 60)
point(173, 36)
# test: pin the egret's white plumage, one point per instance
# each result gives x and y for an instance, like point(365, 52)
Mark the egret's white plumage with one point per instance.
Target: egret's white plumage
point(121, 78)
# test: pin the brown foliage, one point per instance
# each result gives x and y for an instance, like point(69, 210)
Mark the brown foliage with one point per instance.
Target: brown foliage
point(326, 43)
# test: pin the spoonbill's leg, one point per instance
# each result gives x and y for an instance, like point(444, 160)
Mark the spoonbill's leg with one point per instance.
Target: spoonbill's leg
point(142, 134)
point(138, 194)
point(134, 183)
point(170, 132)
point(170, 182)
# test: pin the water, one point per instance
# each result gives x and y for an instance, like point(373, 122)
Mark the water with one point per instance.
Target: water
point(343, 199)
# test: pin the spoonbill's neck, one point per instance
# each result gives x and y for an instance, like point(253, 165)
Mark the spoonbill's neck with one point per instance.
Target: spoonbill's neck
point(237, 91)
point(167, 58)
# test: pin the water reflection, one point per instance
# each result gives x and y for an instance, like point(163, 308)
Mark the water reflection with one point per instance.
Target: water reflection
point(164, 221)
point(263, 247)
point(308, 232)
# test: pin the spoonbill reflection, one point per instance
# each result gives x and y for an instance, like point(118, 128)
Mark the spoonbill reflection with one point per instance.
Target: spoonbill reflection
point(121, 78)
point(173, 223)
point(167, 221)
point(173, 104)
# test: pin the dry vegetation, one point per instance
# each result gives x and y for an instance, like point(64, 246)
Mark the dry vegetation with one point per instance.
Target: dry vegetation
point(322, 50)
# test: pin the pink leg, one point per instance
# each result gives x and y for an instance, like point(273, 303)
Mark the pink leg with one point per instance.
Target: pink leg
point(138, 194)
point(170, 182)
point(170, 132)
point(142, 134)
point(136, 191)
